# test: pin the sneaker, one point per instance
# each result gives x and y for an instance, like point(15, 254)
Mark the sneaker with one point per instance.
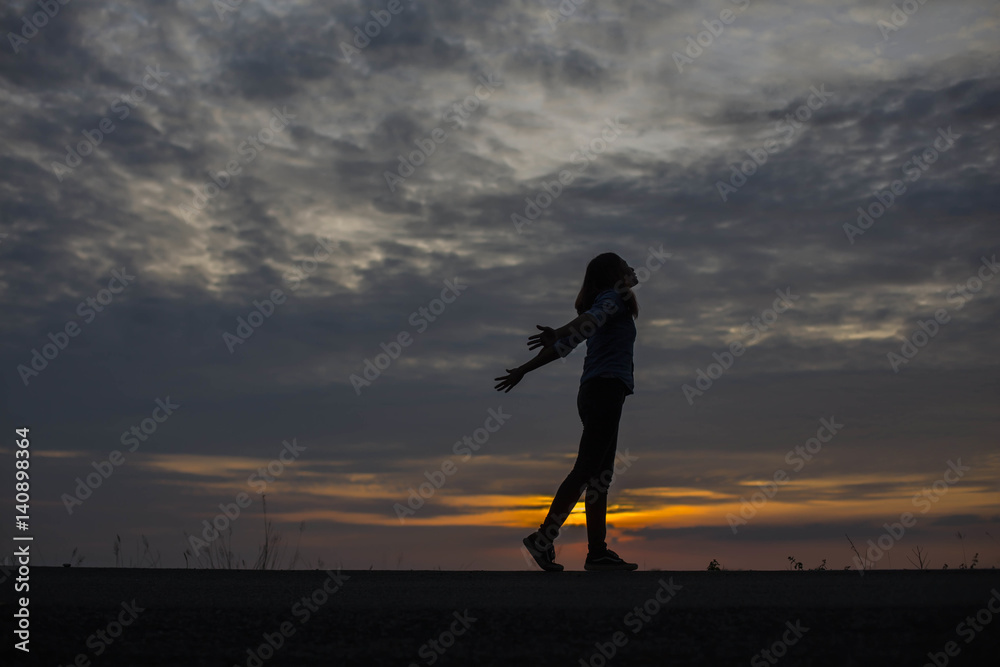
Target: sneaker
point(608, 560)
point(546, 558)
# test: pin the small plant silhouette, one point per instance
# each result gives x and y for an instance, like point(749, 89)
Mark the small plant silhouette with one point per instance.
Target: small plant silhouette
point(795, 564)
point(219, 553)
point(148, 556)
point(975, 558)
point(864, 561)
point(714, 565)
point(75, 558)
point(922, 561)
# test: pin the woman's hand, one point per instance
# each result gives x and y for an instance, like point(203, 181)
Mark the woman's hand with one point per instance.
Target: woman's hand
point(545, 339)
point(507, 382)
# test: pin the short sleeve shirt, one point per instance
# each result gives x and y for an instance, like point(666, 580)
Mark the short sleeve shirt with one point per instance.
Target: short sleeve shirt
point(610, 348)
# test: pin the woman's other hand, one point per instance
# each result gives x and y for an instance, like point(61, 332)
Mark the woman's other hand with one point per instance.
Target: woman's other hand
point(547, 338)
point(507, 382)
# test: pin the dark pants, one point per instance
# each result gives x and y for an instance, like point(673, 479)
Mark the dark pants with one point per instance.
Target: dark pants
point(599, 402)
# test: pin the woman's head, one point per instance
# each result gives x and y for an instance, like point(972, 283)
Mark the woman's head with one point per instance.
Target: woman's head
point(604, 272)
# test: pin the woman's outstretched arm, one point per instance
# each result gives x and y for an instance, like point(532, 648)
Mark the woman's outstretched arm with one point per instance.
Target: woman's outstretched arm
point(578, 329)
point(544, 356)
point(581, 327)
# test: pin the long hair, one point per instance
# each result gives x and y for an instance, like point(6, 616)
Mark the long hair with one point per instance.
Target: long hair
point(605, 272)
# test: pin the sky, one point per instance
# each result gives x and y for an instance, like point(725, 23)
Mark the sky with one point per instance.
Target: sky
point(275, 253)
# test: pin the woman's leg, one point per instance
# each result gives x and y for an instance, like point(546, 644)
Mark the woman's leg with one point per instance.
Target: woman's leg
point(596, 500)
point(599, 403)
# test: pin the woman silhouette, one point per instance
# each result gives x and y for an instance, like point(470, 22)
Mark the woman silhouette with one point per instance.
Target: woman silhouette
point(605, 307)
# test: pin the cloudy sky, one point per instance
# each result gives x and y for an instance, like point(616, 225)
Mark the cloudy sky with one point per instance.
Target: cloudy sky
point(215, 215)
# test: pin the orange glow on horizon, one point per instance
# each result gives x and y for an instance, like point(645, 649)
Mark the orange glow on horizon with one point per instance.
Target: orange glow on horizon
point(361, 498)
